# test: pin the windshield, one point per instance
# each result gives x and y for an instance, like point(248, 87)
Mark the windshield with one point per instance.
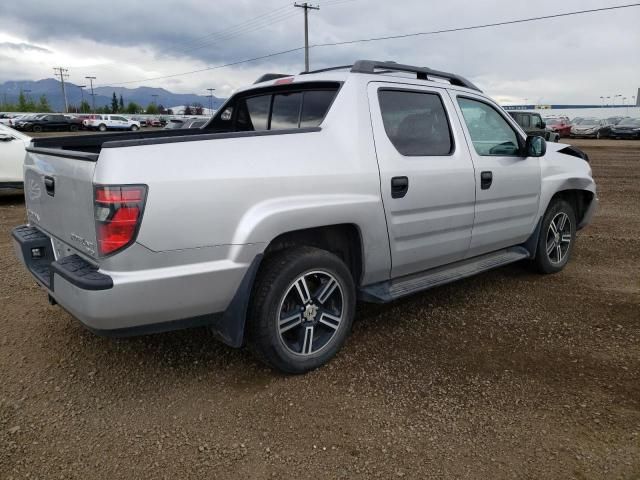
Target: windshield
point(589, 121)
point(633, 122)
point(551, 121)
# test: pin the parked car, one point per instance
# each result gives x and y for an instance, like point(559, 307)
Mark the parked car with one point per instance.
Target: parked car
point(316, 190)
point(591, 127)
point(174, 123)
point(110, 122)
point(141, 120)
point(155, 122)
point(627, 128)
point(20, 121)
point(533, 124)
point(195, 123)
point(12, 153)
point(615, 120)
point(49, 122)
point(559, 126)
point(576, 120)
point(5, 118)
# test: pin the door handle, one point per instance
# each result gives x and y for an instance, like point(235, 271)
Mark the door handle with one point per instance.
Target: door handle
point(399, 187)
point(50, 186)
point(486, 179)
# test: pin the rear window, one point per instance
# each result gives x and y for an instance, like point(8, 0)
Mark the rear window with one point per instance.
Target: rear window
point(297, 106)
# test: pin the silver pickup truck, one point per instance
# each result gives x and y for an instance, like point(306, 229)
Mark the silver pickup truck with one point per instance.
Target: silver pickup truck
point(303, 194)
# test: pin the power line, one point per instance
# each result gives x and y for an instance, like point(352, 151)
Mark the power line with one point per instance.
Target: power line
point(388, 37)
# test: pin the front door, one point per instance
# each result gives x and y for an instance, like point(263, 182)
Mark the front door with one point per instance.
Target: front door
point(426, 174)
point(507, 183)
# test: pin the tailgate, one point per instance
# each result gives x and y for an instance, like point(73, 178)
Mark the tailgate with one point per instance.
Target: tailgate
point(58, 187)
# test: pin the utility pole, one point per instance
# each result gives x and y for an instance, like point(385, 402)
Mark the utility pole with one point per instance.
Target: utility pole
point(211, 90)
point(81, 87)
point(93, 95)
point(63, 74)
point(307, 7)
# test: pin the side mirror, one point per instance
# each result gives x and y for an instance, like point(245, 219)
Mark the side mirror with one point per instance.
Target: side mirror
point(535, 146)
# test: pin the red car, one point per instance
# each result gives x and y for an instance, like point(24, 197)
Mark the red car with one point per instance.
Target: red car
point(559, 125)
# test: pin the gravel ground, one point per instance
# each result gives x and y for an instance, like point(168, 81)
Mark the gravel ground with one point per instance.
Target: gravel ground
point(505, 375)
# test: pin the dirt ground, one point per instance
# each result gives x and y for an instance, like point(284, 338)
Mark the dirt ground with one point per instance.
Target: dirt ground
point(505, 375)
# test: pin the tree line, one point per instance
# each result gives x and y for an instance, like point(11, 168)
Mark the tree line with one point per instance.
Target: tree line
point(27, 104)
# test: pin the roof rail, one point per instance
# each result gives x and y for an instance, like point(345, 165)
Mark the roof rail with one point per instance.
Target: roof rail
point(422, 73)
point(340, 67)
point(270, 76)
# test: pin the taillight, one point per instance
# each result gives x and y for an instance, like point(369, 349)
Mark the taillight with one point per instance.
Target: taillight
point(118, 212)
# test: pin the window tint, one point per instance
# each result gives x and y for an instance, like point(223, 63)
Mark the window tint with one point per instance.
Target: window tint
point(286, 110)
point(536, 121)
point(489, 131)
point(253, 113)
point(415, 122)
point(523, 120)
point(315, 106)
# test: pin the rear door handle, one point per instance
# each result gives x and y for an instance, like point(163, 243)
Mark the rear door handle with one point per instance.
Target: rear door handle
point(399, 187)
point(50, 186)
point(486, 179)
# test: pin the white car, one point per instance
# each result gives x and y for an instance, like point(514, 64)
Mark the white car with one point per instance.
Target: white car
point(12, 145)
point(110, 122)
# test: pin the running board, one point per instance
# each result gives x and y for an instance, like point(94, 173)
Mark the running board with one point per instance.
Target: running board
point(400, 287)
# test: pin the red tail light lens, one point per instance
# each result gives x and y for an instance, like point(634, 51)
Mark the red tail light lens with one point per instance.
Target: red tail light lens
point(118, 213)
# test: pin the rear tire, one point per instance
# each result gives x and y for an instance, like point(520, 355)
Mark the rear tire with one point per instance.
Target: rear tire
point(557, 237)
point(301, 310)
point(73, 128)
point(36, 129)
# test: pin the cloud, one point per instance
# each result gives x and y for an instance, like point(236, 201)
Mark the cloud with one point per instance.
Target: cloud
point(22, 47)
point(566, 60)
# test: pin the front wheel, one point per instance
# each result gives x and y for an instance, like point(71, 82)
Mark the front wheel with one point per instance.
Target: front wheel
point(37, 129)
point(134, 128)
point(301, 309)
point(73, 128)
point(102, 127)
point(557, 236)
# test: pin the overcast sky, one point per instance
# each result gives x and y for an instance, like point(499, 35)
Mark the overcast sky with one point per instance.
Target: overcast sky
point(567, 60)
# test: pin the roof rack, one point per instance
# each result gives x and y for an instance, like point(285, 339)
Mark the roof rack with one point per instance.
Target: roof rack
point(270, 76)
point(341, 67)
point(422, 73)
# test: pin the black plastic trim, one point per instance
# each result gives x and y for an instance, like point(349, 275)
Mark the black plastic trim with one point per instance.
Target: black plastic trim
point(80, 273)
point(14, 185)
point(422, 73)
point(271, 76)
point(207, 136)
point(56, 152)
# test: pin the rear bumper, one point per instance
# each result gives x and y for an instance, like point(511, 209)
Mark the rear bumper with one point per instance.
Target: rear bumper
point(140, 302)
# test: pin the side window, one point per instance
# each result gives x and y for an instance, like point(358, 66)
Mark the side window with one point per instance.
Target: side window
point(490, 133)
point(253, 113)
point(536, 121)
point(286, 111)
point(315, 106)
point(523, 120)
point(416, 122)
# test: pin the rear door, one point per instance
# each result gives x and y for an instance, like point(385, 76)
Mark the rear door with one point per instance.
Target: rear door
point(426, 173)
point(507, 184)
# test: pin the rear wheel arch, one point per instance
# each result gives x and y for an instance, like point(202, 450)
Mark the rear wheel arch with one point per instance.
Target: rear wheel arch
point(343, 240)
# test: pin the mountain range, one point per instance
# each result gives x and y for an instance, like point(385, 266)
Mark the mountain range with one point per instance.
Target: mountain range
point(10, 90)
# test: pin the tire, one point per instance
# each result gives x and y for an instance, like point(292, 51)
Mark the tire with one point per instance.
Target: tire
point(73, 128)
point(37, 129)
point(134, 128)
point(556, 242)
point(308, 338)
point(102, 127)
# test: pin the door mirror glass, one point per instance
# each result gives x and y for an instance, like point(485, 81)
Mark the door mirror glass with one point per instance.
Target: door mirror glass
point(535, 146)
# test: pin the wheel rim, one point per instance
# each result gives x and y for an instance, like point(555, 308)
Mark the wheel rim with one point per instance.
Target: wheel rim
point(310, 313)
point(559, 238)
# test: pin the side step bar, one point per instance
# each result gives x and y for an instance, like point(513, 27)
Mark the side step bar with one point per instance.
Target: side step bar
point(400, 287)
